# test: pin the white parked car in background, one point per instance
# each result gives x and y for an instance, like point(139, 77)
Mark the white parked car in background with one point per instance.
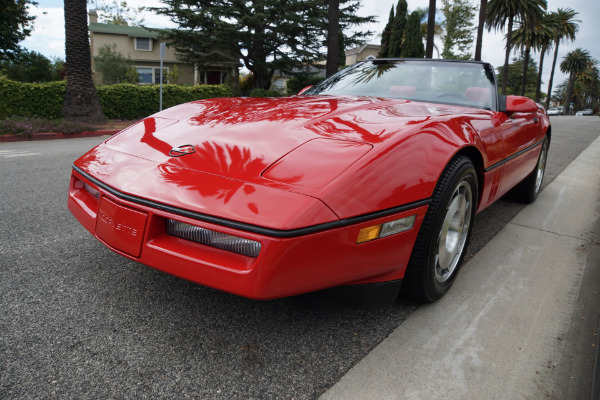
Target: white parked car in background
point(588, 111)
point(553, 111)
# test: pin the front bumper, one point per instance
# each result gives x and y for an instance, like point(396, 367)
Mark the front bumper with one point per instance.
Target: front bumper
point(288, 264)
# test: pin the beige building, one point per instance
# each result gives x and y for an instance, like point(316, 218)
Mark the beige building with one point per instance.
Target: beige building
point(362, 53)
point(142, 47)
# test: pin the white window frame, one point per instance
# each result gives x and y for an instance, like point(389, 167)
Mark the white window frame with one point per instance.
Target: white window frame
point(154, 75)
point(135, 44)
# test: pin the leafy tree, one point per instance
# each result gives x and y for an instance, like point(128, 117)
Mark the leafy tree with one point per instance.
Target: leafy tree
point(31, 66)
point(397, 33)
point(15, 25)
point(114, 66)
point(430, 29)
point(480, 26)
point(574, 63)
point(501, 11)
point(81, 102)
point(385, 36)
point(412, 45)
point(333, 38)
point(515, 71)
point(266, 35)
point(566, 28)
point(459, 28)
point(120, 13)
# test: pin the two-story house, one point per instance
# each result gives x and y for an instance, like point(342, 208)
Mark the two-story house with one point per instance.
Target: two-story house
point(142, 47)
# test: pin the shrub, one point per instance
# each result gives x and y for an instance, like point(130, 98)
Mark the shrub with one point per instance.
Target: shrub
point(265, 93)
point(27, 126)
point(122, 101)
point(32, 99)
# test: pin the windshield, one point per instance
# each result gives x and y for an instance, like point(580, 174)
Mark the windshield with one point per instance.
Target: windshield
point(456, 83)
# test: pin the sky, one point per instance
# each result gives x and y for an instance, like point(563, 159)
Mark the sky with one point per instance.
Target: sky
point(48, 36)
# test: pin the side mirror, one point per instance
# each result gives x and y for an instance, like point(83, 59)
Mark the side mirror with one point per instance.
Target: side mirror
point(305, 89)
point(520, 104)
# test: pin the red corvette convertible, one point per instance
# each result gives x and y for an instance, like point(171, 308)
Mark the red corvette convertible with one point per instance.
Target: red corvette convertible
point(373, 176)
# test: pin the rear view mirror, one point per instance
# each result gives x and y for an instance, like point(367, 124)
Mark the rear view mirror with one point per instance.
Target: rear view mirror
point(520, 104)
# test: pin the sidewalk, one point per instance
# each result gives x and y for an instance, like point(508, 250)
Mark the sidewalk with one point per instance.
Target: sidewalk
point(520, 321)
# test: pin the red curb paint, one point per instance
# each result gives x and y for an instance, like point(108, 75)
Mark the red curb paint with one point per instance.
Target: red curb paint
point(55, 135)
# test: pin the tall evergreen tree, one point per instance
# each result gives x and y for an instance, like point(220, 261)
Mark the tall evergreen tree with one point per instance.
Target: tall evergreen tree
point(15, 25)
point(412, 46)
point(459, 28)
point(385, 36)
point(81, 100)
point(266, 35)
point(397, 35)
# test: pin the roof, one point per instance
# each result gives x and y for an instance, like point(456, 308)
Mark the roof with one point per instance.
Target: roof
point(359, 49)
point(131, 31)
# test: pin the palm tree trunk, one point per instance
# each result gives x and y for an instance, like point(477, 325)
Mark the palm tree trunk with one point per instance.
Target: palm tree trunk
point(569, 95)
point(81, 100)
point(507, 54)
point(525, 66)
point(478, 44)
point(538, 84)
point(430, 30)
point(552, 75)
point(333, 38)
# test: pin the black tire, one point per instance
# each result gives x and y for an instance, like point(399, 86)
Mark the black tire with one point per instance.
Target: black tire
point(529, 188)
point(445, 232)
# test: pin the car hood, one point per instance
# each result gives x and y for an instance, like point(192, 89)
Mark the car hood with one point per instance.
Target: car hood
point(278, 163)
point(254, 139)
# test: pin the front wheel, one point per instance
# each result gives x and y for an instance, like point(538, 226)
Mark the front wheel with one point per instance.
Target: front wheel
point(529, 188)
point(445, 232)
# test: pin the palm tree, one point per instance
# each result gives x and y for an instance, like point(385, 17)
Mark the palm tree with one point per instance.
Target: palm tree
point(438, 30)
point(333, 37)
point(81, 100)
point(574, 63)
point(500, 11)
point(566, 28)
point(479, 42)
point(545, 40)
point(529, 35)
point(430, 30)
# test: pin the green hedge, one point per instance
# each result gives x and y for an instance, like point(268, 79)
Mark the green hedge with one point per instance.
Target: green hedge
point(31, 99)
point(122, 101)
point(127, 101)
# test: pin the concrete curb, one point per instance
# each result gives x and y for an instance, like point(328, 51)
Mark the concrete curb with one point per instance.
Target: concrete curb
point(56, 135)
point(596, 376)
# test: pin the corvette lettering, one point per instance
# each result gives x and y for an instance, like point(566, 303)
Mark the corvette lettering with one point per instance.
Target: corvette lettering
point(117, 226)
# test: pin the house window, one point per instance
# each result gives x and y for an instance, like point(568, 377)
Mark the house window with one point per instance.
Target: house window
point(151, 75)
point(157, 75)
point(145, 75)
point(144, 44)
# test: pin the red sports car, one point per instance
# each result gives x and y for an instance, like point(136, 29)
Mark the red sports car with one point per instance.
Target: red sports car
point(373, 176)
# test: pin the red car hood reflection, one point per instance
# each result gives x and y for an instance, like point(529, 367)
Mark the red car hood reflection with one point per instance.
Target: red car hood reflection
point(240, 137)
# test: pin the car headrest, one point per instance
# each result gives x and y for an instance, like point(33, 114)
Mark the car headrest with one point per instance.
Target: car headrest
point(478, 94)
point(403, 90)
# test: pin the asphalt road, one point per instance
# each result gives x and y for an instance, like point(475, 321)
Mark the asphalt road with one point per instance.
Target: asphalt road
point(77, 321)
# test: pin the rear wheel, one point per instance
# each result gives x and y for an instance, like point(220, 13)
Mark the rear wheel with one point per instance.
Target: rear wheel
point(445, 232)
point(528, 190)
